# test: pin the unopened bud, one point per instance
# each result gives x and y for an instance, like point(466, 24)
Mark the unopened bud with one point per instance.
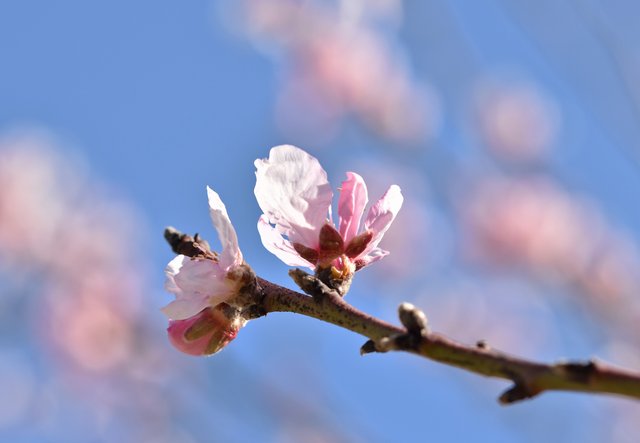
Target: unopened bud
point(412, 318)
point(206, 332)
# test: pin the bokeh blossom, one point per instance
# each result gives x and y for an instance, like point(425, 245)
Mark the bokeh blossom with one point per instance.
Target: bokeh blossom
point(336, 63)
point(201, 320)
point(517, 121)
point(538, 226)
point(293, 192)
point(78, 339)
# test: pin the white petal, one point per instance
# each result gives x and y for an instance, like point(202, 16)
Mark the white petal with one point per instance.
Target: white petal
point(182, 309)
point(373, 256)
point(293, 192)
point(353, 199)
point(170, 271)
point(196, 283)
point(190, 275)
point(230, 255)
point(281, 248)
point(382, 214)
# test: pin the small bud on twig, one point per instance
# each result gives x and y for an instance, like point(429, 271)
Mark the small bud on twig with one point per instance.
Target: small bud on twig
point(413, 319)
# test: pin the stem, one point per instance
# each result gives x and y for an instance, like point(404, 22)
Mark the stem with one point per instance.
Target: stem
point(530, 378)
point(331, 309)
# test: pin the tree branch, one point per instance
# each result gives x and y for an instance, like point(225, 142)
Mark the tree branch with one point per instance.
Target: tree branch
point(529, 378)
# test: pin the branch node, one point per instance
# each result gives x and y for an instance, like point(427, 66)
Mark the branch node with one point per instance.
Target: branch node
point(386, 344)
point(311, 285)
point(335, 280)
point(580, 372)
point(415, 323)
point(254, 311)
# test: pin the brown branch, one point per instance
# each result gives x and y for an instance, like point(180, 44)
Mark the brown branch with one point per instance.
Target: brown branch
point(529, 378)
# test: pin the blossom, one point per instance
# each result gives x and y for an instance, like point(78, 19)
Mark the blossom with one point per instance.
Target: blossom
point(516, 120)
point(202, 318)
point(293, 192)
point(337, 63)
point(205, 333)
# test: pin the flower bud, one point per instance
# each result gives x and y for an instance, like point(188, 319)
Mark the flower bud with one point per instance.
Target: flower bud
point(207, 332)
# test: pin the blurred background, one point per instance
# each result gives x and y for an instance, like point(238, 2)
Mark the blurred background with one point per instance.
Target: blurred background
point(513, 128)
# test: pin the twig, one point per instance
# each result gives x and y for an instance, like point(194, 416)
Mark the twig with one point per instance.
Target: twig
point(529, 378)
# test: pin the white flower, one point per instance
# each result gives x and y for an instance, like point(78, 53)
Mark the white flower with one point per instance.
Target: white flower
point(199, 283)
point(295, 196)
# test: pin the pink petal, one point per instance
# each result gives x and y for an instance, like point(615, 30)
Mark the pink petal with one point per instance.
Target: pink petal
point(372, 257)
point(196, 283)
point(353, 199)
point(176, 332)
point(382, 214)
point(230, 255)
point(293, 192)
point(281, 248)
point(215, 332)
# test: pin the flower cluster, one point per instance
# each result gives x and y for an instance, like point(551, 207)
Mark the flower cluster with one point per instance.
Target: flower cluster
point(293, 192)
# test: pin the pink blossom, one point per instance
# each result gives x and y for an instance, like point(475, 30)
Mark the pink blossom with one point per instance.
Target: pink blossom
point(516, 120)
point(206, 332)
point(337, 63)
point(201, 285)
point(295, 196)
